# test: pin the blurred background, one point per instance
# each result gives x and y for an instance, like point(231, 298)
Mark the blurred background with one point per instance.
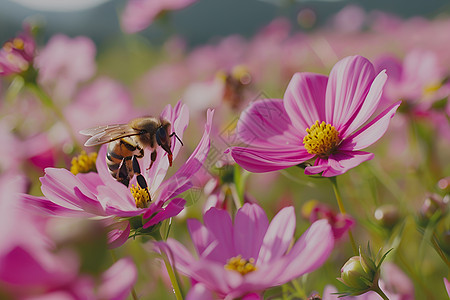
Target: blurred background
point(98, 19)
point(224, 54)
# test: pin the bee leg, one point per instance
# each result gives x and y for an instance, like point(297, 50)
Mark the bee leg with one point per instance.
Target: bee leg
point(137, 170)
point(153, 158)
point(123, 174)
point(174, 134)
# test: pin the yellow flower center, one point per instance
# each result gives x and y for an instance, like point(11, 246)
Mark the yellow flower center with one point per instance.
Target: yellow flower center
point(141, 196)
point(241, 74)
point(241, 265)
point(18, 43)
point(431, 88)
point(84, 163)
point(322, 139)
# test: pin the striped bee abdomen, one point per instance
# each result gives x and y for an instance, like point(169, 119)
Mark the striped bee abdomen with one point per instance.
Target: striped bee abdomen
point(118, 158)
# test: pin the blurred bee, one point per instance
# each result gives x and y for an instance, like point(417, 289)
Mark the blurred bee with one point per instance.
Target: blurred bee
point(127, 143)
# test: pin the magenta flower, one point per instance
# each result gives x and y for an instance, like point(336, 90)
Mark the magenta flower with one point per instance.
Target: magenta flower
point(250, 256)
point(139, 14)
point(99, 194)
point(31, 269)
point(17, 54)
point(319, 118)
point(340, 223)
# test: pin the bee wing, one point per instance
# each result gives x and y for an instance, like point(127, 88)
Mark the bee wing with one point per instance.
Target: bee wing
point(105, 134)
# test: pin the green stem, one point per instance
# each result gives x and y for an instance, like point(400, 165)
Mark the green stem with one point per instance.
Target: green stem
point(133, 292)
point(173, 279)
point(342, 210)
point(48, 102)
point(439, 250)
point(380, 292)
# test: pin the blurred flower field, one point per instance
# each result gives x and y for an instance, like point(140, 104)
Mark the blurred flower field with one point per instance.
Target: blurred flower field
point(304, 162)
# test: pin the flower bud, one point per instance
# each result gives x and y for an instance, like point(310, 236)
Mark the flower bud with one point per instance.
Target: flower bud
point(354, 276)
point(387, 215)
point(361, 273)
point(433, 204)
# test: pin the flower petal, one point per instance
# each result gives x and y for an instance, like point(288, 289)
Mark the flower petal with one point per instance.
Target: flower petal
point(58, 185)
point(178, 255)
point(340, 162)
point(179, 119)
point(218, 222)
point(199, 292)
point(371, 132)
point(200, 236)
point(369, 105)
point(304, 99)
point(118, 280)
point(45, 206)
point(309, 252)
point(171, 210)
point(278, 236)
point(266, 160)
point(250, 226)
point(447, 286)
point(266, 123)
point(348, 85)
point(118, 233)
point(181, 180)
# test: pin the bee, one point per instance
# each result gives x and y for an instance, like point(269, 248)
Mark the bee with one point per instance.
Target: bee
point(127, 143)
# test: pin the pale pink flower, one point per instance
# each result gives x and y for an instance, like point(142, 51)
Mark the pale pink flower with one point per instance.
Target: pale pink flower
point(350, 19)
point(334, 110)
point(17, 54)
point(414, 80)
point(250, 240)
point(139, 14)
point(104, 101)
point(64, 63)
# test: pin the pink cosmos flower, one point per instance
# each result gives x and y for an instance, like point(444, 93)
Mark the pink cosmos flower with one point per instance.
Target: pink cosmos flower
point(64, 63)
point(244, 259)
point(417, 79)
point(31, 269)
point(17, 54)
point(340, 223)
point(99, 194)
point(139, 14)
point(319, 118)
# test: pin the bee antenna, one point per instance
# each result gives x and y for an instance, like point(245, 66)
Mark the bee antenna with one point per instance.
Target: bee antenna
point(174, 134)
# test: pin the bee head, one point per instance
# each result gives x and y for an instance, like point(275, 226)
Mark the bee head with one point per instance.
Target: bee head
point(163, 139)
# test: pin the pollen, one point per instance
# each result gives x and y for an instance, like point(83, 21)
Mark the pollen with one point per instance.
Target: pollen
point(241, 265)
point(141, 196)
point(322, 139)
point(84, 163)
